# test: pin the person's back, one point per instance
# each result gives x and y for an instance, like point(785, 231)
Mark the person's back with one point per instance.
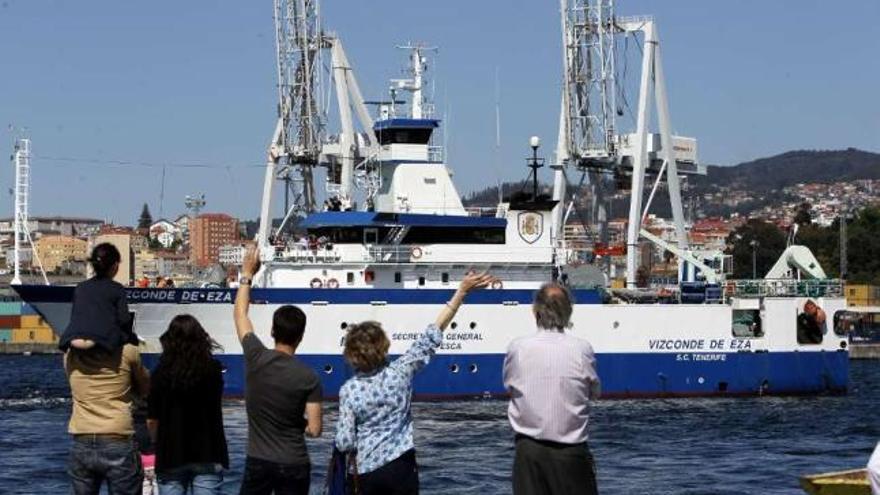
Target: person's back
point(278, 386)
point(375, 419)
point(103, 385)
point(185, 415)
point(282, 397)
point(551, 378)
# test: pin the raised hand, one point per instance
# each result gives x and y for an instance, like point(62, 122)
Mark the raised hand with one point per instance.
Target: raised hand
point(474, 280)
point(251, 263)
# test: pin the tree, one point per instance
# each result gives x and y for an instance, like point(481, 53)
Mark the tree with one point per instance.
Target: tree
point(804, 214)
point(864, 244)
point(145, 219)
point(757, 241)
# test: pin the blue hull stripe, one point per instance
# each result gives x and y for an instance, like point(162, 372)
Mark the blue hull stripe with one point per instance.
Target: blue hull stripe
point(61, 294)
point(622, 375)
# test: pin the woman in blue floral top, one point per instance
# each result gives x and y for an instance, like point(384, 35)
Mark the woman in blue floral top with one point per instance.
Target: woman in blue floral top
point(374, 405)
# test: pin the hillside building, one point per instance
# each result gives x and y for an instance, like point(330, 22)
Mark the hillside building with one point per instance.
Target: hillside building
point(208, 232)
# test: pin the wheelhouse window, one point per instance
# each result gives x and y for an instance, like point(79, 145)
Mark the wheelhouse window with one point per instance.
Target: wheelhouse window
point(747, 323)
point(404, 136)
point(454, 235)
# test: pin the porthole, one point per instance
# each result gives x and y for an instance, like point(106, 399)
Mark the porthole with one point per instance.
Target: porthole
point(328, 368)
point(343, 325)
point(454, 368)
point(454, 325)
point(473, 325)
point(473, 368)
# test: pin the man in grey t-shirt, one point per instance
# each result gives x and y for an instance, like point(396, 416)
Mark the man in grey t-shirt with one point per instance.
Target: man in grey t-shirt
point(282, 397)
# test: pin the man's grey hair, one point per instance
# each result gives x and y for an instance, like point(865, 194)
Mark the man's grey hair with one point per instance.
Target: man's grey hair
point(553, 307)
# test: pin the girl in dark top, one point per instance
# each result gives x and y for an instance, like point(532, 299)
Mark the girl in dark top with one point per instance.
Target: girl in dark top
point(100, 314)
point(185, 416)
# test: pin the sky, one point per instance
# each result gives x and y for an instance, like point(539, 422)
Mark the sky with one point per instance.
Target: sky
point(110, 91)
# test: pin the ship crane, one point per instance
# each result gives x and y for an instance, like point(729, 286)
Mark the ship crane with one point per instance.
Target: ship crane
point(590, 139)
point(300, 143)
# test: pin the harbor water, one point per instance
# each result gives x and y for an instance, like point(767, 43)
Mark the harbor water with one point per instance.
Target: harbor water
point(681, 446)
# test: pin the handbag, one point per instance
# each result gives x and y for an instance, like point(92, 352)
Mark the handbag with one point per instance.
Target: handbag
point(342, 475)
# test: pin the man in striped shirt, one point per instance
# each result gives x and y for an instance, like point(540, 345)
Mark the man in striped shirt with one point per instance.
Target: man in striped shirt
point(551, 377)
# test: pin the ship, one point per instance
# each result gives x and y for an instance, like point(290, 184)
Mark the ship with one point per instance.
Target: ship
point(397, 255)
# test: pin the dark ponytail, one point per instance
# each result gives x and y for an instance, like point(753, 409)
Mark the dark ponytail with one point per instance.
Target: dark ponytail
point(103, 257)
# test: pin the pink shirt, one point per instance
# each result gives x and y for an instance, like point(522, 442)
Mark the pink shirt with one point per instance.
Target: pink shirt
point(551, 378)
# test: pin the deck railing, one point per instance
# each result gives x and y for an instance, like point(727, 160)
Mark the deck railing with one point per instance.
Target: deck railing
point(783, 288)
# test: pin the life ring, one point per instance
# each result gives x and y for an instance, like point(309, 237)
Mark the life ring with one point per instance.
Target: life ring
point(415, 252)
point(333, 283)
point(497, 284)
point(316, 283)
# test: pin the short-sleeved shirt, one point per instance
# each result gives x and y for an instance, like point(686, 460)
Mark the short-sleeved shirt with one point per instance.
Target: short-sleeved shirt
point(102, 385)
point(551, 378)
point(277, 387)
point(375, 415)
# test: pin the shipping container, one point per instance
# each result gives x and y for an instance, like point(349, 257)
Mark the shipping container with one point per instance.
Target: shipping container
point(10, 321)
point(38, 335)
point(5, 335)
point(10, 308)
point(862, 295)
point(27, 309)
point(32, 321)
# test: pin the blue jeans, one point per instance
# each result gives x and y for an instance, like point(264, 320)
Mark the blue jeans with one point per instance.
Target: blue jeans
point(95, 459)
point(196, 479)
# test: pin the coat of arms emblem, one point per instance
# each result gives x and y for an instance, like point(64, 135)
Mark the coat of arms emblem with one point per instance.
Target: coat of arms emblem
point(531, 226)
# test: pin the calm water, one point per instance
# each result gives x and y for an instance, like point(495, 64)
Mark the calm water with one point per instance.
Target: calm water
point(691, 446)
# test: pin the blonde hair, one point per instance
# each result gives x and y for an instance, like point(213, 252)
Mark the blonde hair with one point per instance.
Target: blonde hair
point(366, 346)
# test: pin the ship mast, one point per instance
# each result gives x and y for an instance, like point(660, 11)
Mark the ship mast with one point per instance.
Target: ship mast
point(21, 160)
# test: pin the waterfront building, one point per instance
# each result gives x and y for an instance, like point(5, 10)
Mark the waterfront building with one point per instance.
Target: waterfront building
point(208, 232)
point(146, 264)
point(164, 232)
point(54, 251)
point(68, 226)
point(173, 265)
point(122, 240)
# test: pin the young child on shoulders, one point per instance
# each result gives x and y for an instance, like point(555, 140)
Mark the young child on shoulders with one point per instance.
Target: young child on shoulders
point(100, 316)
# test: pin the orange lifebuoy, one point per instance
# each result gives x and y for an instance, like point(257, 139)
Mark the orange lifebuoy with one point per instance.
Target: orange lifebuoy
point(333, 283)
point(415, 252)
point(316, 283)
point(497, 284)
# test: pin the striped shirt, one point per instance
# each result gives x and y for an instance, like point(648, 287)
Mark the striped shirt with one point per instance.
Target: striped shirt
point(551, 378)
